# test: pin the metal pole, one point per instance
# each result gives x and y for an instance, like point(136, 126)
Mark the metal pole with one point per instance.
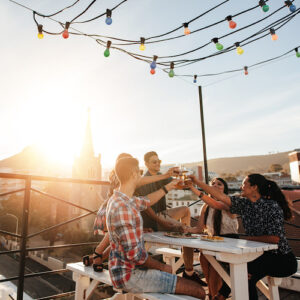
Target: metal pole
point(24, 238)
point(203, 135)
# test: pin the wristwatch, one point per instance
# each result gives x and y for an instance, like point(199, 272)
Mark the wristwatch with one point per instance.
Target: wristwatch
point(201, 194)
point(165, 190)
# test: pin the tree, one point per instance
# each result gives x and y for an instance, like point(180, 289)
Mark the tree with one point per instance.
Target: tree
point(275, 168)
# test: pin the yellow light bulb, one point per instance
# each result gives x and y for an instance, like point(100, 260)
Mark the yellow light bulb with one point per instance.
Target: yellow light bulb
point(142, 47)
point(239, 50)
point(274, 37)
point(40, 35)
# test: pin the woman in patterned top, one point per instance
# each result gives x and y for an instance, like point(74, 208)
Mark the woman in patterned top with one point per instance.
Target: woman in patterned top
point(101, 252)
point(263, 209)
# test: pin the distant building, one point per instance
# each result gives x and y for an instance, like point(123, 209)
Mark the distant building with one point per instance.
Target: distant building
point(86, 166)
point(294, 158)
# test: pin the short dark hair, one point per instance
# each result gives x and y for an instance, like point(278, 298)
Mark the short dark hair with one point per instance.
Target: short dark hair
point(148, 155)
point(125, 167)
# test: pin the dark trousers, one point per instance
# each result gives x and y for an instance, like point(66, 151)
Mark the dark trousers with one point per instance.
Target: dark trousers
point(269, 264)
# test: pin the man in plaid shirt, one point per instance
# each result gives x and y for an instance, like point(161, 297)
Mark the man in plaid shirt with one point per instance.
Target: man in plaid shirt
point(130, 266)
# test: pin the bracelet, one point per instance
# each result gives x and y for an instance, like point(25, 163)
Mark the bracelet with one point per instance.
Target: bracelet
point(165, 190)
point(201, 195)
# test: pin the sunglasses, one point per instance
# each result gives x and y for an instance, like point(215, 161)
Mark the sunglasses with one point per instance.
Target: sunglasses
point(155, 161)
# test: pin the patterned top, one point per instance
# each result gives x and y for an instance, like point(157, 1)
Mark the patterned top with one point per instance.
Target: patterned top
point(263, 217)
point(125, 227)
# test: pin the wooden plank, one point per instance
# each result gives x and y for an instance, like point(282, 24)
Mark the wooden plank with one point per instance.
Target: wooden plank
point(239, 281)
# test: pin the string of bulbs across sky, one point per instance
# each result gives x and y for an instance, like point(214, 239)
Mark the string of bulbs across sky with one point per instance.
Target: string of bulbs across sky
point(169, 65)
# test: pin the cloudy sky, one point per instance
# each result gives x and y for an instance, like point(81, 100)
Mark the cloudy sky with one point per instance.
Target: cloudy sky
point(47, 85)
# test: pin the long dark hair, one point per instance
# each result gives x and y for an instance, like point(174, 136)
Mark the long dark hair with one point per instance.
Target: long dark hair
point(217, 217)
point(269, 189)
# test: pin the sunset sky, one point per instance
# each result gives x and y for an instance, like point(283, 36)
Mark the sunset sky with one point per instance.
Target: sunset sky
point(48, 85)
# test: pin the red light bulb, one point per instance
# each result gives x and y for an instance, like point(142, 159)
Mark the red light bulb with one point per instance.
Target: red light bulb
point(232, 24)
point(65, 34)
point(152, 71)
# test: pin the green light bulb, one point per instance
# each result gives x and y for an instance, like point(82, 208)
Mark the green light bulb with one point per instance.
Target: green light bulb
point(171, 73)
point(106, 53)
point(298, 54)
point(265, 8)
point(219, 46)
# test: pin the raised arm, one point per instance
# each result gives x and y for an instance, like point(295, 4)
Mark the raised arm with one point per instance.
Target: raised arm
point(154, 178)
point(208, 200)
point(155, 196)
point(212, 191)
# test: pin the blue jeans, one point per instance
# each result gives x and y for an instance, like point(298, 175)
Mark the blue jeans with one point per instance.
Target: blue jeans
point(151, 281)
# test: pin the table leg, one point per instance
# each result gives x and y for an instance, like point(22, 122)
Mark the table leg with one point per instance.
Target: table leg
point(239, 281)
point(82, 283)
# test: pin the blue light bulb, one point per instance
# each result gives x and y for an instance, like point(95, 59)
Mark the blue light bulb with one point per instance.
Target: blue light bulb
point(195, 81)
point(153, 65)
point(108, 20)
point(292, 8)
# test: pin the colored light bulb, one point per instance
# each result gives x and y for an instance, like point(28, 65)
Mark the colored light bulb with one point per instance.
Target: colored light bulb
point(142, 46)
point(152, 71)
point(106, 52)
point(297, 52)
point(292, 8)
point(153, 65)
point(40, 30)
point(239, 50)
point(219, 46)
point(171, 73)
point(195, 79)
point(265, 8)
point(65, 34)
point(186, 30)
point(274, 36)
point(108, 20)
point(232, 24)
point(246, 70)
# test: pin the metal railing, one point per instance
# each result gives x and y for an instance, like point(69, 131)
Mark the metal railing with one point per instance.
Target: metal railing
point(24, 236)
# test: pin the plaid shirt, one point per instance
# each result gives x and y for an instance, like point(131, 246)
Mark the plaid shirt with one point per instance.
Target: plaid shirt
point(125, 227)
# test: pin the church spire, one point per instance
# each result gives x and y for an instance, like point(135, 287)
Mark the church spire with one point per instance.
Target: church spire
point(87, 147)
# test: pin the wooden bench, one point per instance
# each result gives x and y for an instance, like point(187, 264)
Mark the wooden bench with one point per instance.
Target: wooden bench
point(170, 255)
point(87, 281)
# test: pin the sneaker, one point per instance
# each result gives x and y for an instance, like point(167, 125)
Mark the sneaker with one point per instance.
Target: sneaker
point(195, 277)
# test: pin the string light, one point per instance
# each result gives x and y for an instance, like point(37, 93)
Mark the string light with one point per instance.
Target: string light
point(218, 45)
point(65, 33)
point(106, 52)
point(108, 19)
point(239, 50)
point(171, 72)
point(153, 64)
point(186, 28)
point(40, 30)
point(195, 79)
point(246, 70)
point(290, 5)
point(274, 36)
point(264, 6)
point(142, 46)
point(231, 23)
point(297, 53)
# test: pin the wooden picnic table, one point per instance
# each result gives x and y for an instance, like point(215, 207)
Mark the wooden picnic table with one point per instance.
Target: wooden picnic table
point(236, 252)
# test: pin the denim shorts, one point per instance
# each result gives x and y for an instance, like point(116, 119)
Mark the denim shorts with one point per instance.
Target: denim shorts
point(151, 281)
